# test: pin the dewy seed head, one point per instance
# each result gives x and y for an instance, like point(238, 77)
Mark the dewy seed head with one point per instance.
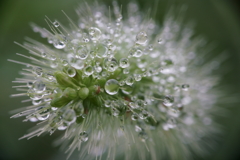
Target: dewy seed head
point(115, 84)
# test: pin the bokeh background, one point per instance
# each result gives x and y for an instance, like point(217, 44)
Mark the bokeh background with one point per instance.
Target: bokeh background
point(217, 20)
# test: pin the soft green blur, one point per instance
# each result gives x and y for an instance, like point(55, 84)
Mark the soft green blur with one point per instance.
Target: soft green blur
point(215, 20)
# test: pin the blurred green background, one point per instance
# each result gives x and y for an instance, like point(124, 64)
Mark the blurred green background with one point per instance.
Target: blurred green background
point(217, 20)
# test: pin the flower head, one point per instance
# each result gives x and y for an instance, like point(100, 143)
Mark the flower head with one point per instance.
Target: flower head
point(120, 86)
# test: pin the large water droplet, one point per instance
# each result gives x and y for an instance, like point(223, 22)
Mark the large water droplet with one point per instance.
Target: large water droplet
point(94, 33)
point(39, 86)
point(130, 80)
point(59, 41)
point(112, 86)
point(101, 51)
point(88, 70)
point(71, 72)
point(82, 52)
point(69, 116)
point(83, 136)
point(124, 63)
point(141, 38)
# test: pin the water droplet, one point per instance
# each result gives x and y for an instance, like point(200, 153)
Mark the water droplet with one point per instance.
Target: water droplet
point(130, 80)
point(124, 63)
point(143, 136)
point(69, 116)
point(39, 86)
point(101, 51)
point(121, 83)
point(112, 86)
point(133, 105)
point(127, 89)
point(63, 126)
point(185, 87)
point(107, 103)
point(43, 54)
point(115, 112)
point(57, 92)
point(134, 117)
point(138, 129)
point(88, 70)
point(83, 136)
point(43, 114)
point(110, 64)
point(33, 95)
point(82, 52)
point(139, 103)
point(135, 52)
point(168, 100)
point(59, 41)
point(94, 33)
point(141, 38)
point(53, 64)
point(143, 114)
point(29, 84)
point(56, 24)
point(125, 71)
point(160, 41)
point(36, 102)
point(38, 71)
point(71, 72)
point(137, 77)
point(98, 68)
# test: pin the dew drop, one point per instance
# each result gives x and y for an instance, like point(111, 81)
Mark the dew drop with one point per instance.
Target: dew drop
point(63, 126)
point(141, 38)
point(94, 33)
point(127, 89)
point(83, 136)
point(59, 41)
point(133, 105)
point(185, 87)
point(112, 86)
point(56, 24)
point(130, 80)
point(143, 136)
point(134, 117)
point(88, 70)
point(115, 112)
point(38, 71)
point(29, 84)
point(43, 114)
point(138, 129)
point(71, 72)
point(39, 86)
point(69, 116)
point(107, 103)
point(36, 102)
point(101, 51)
point(135, 52)
point(126, 71)
point(82, 52)
point(124, 63)
point(143, 114)
point(160, 41)
point(168, 100)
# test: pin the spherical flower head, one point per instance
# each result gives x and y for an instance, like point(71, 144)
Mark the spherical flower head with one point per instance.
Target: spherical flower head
point(120, 86)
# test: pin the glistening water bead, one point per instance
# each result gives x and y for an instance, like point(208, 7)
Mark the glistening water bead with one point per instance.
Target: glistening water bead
point(111, 86)
point(119, 86)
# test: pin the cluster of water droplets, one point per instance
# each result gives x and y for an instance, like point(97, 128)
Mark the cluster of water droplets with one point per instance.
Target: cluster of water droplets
point(116, 67)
